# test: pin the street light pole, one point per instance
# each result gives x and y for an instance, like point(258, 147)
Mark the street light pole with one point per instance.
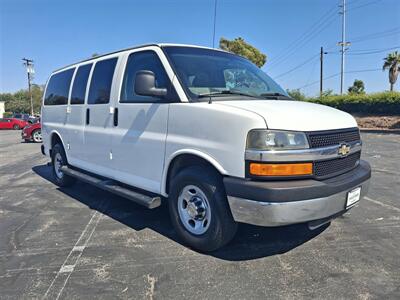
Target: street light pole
point(28, 63)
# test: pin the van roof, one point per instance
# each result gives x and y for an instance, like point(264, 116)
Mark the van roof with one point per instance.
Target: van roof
point(136, 47)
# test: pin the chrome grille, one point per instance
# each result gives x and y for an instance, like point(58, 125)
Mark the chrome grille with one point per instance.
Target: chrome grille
point(330, 138)
point(336, 166)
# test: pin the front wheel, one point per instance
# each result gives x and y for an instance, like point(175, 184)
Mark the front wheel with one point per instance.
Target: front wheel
point(199, 209)
point(59, 159)
point(37, 136)
point(16, 127)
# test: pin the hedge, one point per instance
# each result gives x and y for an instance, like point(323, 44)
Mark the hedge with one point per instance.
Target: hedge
point(385, 103)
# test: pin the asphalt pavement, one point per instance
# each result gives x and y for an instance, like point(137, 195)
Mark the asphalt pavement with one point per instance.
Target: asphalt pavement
point(82, 242)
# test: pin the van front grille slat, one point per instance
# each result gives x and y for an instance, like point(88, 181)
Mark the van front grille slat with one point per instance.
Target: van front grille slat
point(336, 166)
point(330, 138)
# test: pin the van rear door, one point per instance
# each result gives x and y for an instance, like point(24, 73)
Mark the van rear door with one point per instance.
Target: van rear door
point(76, 115)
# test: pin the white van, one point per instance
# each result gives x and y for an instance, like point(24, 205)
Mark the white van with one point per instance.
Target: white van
point(205, 131)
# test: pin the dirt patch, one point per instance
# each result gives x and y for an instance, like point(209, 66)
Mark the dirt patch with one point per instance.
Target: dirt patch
point(378, 122)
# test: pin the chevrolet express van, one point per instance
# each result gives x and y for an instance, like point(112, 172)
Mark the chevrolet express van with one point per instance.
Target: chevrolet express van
point(206, 132)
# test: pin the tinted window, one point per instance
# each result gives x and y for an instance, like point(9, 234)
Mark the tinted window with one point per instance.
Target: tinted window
point(146, 60)
point(79, 86)
point(100, 85)
point(58, 88)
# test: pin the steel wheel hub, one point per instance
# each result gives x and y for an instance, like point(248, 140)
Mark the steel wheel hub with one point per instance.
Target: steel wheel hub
point(194, 209)
point(57, 165)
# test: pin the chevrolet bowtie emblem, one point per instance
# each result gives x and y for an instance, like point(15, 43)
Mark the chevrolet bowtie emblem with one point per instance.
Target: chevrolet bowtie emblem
point(344, 149)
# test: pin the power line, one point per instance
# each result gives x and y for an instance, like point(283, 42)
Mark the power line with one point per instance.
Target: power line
point(337, 74)
point(298, 66)
point(367, 52)
point(363, 5)
point(385, 33)
point(307, 35)
point(302, 43)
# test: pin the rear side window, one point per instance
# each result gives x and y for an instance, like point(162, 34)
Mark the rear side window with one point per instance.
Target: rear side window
point(58, 88)
point(145, 60)
point(100, 85)
point(80, 83)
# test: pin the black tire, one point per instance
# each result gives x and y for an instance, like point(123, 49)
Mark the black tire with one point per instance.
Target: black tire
point(16, 127)
point(58, 153)
point(222, 227)
point(39, 131)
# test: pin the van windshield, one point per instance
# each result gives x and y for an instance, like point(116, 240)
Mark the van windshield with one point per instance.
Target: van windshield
point(206, 73)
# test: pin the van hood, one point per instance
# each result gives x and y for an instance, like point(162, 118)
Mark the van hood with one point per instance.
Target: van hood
point(296, 115)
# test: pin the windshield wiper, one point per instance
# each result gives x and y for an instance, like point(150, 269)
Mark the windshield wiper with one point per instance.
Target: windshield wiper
point(277, 96)
point(226, 92)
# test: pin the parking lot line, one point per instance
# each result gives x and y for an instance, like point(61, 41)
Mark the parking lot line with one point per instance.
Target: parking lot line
point(59, 282)
point(382, 204)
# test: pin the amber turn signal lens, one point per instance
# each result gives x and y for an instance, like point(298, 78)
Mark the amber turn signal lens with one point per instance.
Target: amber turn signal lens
point(260, 169)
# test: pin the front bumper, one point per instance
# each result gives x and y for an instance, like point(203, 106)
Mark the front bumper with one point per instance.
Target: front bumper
point(276, 203)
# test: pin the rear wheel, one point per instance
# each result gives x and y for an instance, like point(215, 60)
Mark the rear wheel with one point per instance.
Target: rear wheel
point(16, 127)
point(199, 209)
point(59, 159)
point(37, 136)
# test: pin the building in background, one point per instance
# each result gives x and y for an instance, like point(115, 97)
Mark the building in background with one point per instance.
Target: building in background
point(2, 108)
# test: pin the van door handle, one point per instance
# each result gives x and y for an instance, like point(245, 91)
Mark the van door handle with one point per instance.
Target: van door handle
point(116, 116)
point(87, 116)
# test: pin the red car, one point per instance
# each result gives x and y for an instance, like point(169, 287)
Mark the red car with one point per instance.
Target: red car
point(12, 123)
point(32, 132)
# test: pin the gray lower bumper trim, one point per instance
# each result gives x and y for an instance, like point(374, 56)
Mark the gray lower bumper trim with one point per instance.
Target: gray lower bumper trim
point(285, 213)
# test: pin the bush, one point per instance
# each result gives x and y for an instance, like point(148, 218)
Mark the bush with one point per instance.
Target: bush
point(385, 103)
point(7, 114)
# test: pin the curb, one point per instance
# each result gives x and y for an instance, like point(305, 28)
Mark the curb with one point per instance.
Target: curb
point(378, 130)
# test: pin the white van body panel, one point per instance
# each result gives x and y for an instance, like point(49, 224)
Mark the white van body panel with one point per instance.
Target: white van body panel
point(296, 115)
point(207, 128)
point(54, 119)
point(138, 142)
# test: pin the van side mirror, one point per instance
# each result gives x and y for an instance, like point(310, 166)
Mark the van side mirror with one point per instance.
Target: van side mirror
point(145, 84)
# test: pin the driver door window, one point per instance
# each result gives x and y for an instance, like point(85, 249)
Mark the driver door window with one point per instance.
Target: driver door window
point(144, 60)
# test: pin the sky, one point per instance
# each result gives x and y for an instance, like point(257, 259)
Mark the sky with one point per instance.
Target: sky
point(56, 33)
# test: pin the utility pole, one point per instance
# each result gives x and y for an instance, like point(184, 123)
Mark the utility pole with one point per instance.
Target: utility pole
point(215, 21)
point(321, 77)
point(343, 44)
point(28, 63)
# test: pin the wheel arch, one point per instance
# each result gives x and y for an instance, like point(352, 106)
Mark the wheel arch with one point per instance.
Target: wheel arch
point(55, 137)
point(184, 158)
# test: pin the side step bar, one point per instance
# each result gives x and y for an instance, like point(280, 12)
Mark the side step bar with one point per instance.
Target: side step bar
point(113, 187)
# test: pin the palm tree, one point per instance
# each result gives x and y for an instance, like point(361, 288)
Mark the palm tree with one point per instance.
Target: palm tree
point(392, 62)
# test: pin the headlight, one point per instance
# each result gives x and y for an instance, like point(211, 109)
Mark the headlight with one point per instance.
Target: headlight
point(263, 139)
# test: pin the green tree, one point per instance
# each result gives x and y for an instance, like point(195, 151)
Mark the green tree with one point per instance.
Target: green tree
point(327, 93)
point(240, 47)
point(296, 94)
point(392, 63)
point(357, 87)
point(20, 100)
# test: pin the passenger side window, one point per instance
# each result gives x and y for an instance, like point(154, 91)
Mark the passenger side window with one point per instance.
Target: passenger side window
point(58, 88)
point(79, 85)
point(145, 60)
point(100, 85)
